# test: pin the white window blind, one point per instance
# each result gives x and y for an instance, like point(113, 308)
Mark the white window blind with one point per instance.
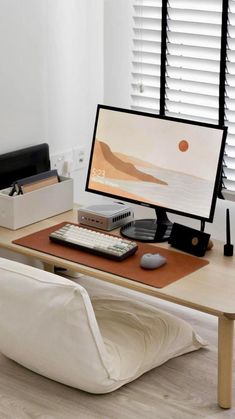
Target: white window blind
point(192, 75)
point(229, 158)
point(193, 59)
point(146, 55)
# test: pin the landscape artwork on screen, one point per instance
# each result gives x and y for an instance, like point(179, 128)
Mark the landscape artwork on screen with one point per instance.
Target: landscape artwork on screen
point(155, 161)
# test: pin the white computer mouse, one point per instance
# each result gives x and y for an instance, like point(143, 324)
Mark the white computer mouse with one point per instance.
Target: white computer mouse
point(152, 260)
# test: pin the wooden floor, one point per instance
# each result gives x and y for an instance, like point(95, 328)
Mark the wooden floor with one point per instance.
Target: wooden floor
point(183, 388)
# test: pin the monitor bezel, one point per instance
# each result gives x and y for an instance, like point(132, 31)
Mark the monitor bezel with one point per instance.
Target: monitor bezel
point(149, 205)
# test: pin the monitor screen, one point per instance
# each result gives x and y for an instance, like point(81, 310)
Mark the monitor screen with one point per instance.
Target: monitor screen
point(169, 164)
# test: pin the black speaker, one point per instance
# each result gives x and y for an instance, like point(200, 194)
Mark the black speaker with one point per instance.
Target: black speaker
point(189, 239)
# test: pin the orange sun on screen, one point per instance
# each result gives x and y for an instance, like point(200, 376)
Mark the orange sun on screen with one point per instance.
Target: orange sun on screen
point(183, 145)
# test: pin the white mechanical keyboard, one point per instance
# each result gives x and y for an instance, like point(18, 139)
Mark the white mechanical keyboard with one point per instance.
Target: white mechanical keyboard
point(92, 241)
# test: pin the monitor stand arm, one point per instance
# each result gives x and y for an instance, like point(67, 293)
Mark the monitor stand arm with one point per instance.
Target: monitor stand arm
point(161, 216)
point(202, 225)
point(163, 225)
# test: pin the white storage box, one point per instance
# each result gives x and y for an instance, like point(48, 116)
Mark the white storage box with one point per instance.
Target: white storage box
point(21, 210)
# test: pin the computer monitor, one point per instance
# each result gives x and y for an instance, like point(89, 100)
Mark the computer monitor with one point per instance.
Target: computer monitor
point(23, 163)
point(171, 165)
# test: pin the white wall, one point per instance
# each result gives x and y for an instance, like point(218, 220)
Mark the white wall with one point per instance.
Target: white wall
point(75, 69)
point(22, 37)
point(74, 76)
point(117, 52)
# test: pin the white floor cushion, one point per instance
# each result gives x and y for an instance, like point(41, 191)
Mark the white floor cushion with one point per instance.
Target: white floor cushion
point(49, 325)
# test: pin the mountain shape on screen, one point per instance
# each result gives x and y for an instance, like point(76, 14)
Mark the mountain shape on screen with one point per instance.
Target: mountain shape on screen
point(121, 166)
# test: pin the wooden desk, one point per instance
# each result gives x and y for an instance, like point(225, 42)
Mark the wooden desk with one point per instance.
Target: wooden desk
point(210, 290)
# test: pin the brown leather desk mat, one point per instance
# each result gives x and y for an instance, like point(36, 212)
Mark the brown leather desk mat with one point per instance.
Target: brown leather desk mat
point(178, 264)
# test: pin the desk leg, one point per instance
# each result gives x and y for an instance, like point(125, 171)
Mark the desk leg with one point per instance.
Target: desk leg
point(48, 267)
point(225, 361)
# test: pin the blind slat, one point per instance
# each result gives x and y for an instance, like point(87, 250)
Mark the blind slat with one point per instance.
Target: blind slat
point(194, 39)
point(193, 75)
point(197, 16)
point(193, 86)
point(193, 98)
point(208, 5)
point(191, 110)
point(192, 63)
point(194, 28)
point(191, 51)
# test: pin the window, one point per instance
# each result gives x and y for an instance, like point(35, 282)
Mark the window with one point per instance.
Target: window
point(184, 65)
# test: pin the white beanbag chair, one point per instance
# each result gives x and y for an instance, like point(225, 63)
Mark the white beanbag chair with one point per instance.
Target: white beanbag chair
point(49, 325)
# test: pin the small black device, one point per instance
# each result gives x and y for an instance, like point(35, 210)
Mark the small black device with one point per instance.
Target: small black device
point(228, 247)
point(189, 239)
point(22, 163)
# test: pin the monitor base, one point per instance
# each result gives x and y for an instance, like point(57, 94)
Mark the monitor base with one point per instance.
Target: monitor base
point(149, 230)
